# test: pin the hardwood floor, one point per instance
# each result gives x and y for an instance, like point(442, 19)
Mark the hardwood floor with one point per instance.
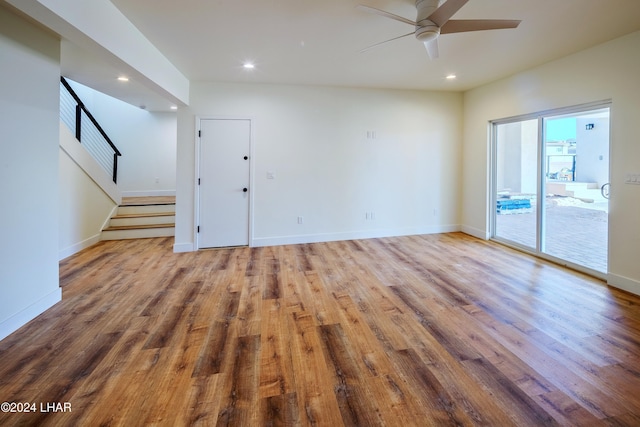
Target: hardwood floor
point(409, 331)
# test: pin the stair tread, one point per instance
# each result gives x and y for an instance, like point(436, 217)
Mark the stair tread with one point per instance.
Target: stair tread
point(145, 204)
point(136, 227)
point(143, 215)
point(148, 200)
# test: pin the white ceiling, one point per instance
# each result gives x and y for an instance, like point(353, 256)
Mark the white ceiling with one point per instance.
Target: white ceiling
point(317, 42)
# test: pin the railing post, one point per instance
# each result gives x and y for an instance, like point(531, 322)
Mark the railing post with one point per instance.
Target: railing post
point(78, 122)
point(115, 168)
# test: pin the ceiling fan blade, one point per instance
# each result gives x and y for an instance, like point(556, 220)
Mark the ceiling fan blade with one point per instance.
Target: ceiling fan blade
point(432, 48)
point(464, 25)
point(386, 41)
point(385, 14)
point(442, 14)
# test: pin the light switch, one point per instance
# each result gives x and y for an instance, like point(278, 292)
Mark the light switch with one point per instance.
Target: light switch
point(271, 175)
point(632, 178)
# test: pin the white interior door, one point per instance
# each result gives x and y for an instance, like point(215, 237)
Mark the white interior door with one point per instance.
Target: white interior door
point(224, 171)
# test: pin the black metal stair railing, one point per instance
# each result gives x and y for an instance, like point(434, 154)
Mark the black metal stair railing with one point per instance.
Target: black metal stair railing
point(88, 132)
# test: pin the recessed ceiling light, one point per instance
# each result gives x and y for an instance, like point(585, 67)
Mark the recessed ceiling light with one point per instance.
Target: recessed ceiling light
point(123, 79)
point(248, 65)
point(174, 107)
point(451, 77)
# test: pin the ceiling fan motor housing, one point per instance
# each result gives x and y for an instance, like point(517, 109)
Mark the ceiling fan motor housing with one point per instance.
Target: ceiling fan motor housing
point(426, 30)
point(426, 8)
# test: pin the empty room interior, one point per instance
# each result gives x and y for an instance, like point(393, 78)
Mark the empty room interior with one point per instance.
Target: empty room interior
point(359, 213)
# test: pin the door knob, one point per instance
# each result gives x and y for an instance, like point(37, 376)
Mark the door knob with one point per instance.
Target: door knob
point(245, 157)
point(245, 189)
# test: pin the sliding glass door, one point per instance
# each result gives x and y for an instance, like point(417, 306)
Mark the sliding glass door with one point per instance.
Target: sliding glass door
point(550, 185)
point(576, 180)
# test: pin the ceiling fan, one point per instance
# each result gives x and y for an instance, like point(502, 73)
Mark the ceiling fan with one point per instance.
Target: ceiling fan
point(434, 18)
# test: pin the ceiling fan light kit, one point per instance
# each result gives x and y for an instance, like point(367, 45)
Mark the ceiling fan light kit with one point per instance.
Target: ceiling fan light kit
point(434, 18)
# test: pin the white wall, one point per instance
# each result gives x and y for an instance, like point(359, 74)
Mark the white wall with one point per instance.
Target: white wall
point(509, 178)
point(529, 151)
point(83, 207)
point(147, 141)
point(29, 121)
point(592, 150)
point(315, 140)
point(517, 153)
point(608, 71)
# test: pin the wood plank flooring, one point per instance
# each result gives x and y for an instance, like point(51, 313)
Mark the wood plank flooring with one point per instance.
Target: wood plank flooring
point(408, 331)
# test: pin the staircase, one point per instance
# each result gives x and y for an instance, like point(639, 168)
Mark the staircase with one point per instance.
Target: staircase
point(142, 217)
point(588, 192)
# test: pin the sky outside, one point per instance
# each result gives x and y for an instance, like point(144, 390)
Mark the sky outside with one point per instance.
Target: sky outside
point(561, 129)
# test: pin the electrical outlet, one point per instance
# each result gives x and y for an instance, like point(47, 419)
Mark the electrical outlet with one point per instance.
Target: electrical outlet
point(300, 220)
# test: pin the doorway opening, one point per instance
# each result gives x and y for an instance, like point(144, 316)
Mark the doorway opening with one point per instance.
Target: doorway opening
point(550, 185)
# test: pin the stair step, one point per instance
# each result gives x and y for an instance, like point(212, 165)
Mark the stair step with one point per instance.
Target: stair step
point(139, 227)
point(137, 233)
point(142, 219)
point(148, 200)
point(143, 215)
point(571, 188)
point(145, 209)
point(590, 196)
point(574, 185)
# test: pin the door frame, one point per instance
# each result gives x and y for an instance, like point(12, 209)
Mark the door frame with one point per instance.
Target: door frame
point(540, 116)
point(197, 144)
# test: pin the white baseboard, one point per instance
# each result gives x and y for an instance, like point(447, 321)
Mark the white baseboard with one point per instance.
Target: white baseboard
point(623, 283)
point(20, 319)
point(332, 237)
point(475, 232)
point(183, 247)
point(106, 222)
point(149, 193)
point(351, 235)
point(75, 248)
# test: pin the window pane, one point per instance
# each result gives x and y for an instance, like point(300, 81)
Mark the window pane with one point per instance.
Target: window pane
point(516, 182)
